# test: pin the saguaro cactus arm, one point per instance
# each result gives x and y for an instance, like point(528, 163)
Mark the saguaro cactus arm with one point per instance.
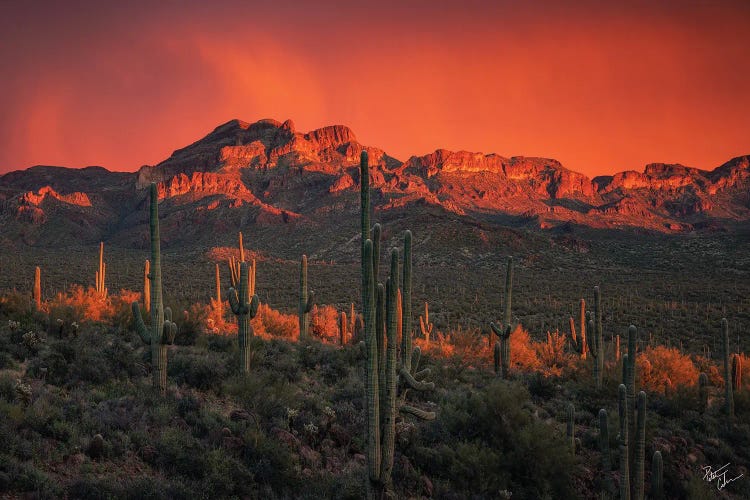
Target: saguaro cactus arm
point(140, 326)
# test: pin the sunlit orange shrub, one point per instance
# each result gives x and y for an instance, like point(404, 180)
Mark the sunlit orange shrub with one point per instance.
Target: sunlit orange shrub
point(80, 304)
point(711, 368)
point(324, 323)
point(662, 366)
point(552, 356)
point(523, 353)
point(468, 344)
point(272, 323)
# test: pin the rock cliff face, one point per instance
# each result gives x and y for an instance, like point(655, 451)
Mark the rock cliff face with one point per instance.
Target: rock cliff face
point(267, 172)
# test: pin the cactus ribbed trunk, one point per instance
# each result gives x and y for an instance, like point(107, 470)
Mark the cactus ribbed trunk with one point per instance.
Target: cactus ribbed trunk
point(622, 441)
point(596, 347)
point(582, 318)
point(657, 476)
point(101, 273)
point(630, 367)
point(245, 307)
point(570, 427)
point(372, 387)
point(162, 330)
point(703, 391)
point(728, 394)
point(37, 291)
point(305, 301)
point(640, 448)
point(406, 324)
point(380, 336)
point(342, 328)
point(502, 347)
point(606, 484)
point(389, 406)
point(147, 286)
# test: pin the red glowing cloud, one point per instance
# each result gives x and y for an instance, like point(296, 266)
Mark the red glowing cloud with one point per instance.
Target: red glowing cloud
point(599, 87)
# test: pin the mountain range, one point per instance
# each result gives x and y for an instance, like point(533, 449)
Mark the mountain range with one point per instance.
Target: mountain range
point(268, 174)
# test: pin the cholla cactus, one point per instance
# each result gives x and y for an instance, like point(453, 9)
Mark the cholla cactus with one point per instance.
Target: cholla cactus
point(23, 392)
point(32, 340)
point(13, 325)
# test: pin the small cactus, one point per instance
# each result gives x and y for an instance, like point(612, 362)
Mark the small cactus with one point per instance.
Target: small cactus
point(703, 391)
point(657, 477)
point(729, 396)
point(37, 292)
point(305, 300)
point(579, 341)
point(570, 427)
point(424, 324)
point(737, 372)
point(101, 288)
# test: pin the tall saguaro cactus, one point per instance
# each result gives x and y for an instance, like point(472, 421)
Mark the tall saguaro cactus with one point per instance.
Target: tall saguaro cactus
point(161, 331)
point(703, 392)
point(386, 382)
point(101, 288)
point(629, 369)
point(729, 395)
point(622, 442)
point(607, 485)
point(737, 373)
point(502, 346)
point(245, 307)
point(596, 344)
point(640, 448)
point(305, 300)
point(37, 291)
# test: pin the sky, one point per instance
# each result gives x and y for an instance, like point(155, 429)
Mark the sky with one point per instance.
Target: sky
point(600, 86)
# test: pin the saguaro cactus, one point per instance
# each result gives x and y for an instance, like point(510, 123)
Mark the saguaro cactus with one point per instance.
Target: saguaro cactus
point(640, 448)
point(101, 273)
point(703, 391)
point(657, 477)
point(343, 325)
point(630, 381)
point(245, 307)
point(424, 323)
point(502, 347)
point(406, 328)
point(737, 372)
point(729, 396)
point(579, 341)
point(622, 441)
point(147, 286)
point(161, 331)
point(305, 300)
point(570, 427)
point(37, 291)
point(596, 345)
point(607, 486)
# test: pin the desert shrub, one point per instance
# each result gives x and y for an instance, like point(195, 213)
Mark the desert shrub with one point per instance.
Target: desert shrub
point(121, 309)
point(662, 365)
point(80, 303)
point(200, 370)
point(492, 442)
point(552, 356)
point(324, 323)
point(278, 324)
point(270, 463)
point(264, 394)
point(25, 477)
point(523, 354)
point(190, 324)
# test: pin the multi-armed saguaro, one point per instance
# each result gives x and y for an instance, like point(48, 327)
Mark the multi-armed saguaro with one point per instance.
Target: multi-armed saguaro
point(502, 346)
point(245, 307)
point(101, 288)
point(161, 331)
point(383, 399)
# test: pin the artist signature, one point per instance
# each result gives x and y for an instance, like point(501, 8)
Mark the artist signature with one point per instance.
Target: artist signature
point(719, 475)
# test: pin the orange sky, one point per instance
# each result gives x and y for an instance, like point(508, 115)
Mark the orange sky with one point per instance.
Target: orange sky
point(601, 88)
